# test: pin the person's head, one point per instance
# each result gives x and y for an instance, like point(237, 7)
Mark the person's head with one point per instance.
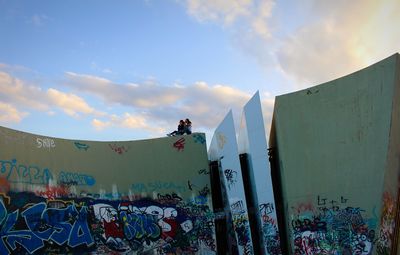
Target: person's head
point(181, 122)
point(188, 122)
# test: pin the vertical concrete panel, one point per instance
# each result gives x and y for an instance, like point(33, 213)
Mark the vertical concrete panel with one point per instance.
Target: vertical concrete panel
point(252, 141)
point(337, 149)
point(223, 148)
point(66, 196)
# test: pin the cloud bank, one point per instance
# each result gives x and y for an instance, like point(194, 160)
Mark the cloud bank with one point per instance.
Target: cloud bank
point(322, 41)
point(149, 107)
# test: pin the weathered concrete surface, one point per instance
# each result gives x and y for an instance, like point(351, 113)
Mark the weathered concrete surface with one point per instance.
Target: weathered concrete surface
point(252, 142)
point(223, 148)
point(337, 148)
point(65, 196)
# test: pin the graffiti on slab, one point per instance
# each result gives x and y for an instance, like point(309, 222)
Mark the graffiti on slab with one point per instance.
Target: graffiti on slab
point(333, 227)
point(179, 144)
point(231, 177)
point(199, 138)
point(269, 228)
point(388, 222)
point(42, 224)
point(20, 173)
point(221, 140)
point(47, 143)
point(204, 171)
point(81, 146)
point(76, 179)
point(118, 149)
point(167, 225)
point(158, 186)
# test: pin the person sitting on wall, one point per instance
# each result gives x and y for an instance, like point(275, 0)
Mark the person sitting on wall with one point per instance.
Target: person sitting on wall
point(180, 131)
point(188, 127)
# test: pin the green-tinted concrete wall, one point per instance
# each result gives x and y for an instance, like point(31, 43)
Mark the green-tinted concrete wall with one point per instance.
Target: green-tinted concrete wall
point(338, 152)
point(66, 196)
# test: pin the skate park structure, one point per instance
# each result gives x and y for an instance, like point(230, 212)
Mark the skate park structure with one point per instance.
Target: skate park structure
point(327, 182)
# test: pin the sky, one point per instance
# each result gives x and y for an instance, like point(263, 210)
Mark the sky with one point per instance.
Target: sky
point(131, 69)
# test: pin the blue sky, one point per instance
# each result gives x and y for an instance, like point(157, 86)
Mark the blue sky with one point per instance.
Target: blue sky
point(127, 70)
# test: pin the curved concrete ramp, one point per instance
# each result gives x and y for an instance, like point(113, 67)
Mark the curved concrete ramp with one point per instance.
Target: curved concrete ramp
point(69, 196)
point(336, 148)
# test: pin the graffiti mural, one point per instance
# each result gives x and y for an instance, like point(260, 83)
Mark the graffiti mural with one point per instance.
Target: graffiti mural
point(270, 229)
point(332, 228)
point(242, 226)
point(60, 196)
point(388, 223)
point(166, 225)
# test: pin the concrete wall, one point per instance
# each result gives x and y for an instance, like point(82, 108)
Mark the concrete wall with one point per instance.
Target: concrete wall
point(252, 142)
point(66, 196)
point(337, 150)
point(223, 148)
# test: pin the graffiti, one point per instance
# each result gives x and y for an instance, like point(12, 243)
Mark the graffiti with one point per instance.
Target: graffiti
point(66, 226)
point(205, 191)
point(158, 186)
point(270, 229)
point(180, 144)
point(238, 207)
point(4, 185)
point(204, 171)
point(18, 173)
point(332, 230)
point(242, 229)
point(333, 204)
point(118, 149)
point(199, 138)
point(68, 178)
point(52, 192)
point(131, 226)
point(98, 226)
point(45, 143)
point(266, 208)
point(81, 146)
point(386, 232)
point(172, 198)
point(230, 176)
point(221, 140)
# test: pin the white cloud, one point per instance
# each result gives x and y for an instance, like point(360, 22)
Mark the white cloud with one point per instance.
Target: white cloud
point(346, 37)
point(71, 104)
point(224, 11)
point(162, 105)
point(310, 41)
point(10, 114)
point(19, 94)
point(248, 16)
point(100, 125)
point(148, 107)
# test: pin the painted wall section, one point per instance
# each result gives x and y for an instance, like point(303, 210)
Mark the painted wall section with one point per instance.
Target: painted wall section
point(337, 147)
point(252, 141)
point(223, 148)
point(65, 196)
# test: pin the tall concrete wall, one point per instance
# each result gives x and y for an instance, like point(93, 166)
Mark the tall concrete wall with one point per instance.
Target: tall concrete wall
point(223, 148)
point(65, 196)
point(252, 142)
point(337, 149)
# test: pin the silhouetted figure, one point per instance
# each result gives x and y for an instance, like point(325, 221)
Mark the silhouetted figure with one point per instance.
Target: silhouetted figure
point(180, 131)
point(188, 127)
